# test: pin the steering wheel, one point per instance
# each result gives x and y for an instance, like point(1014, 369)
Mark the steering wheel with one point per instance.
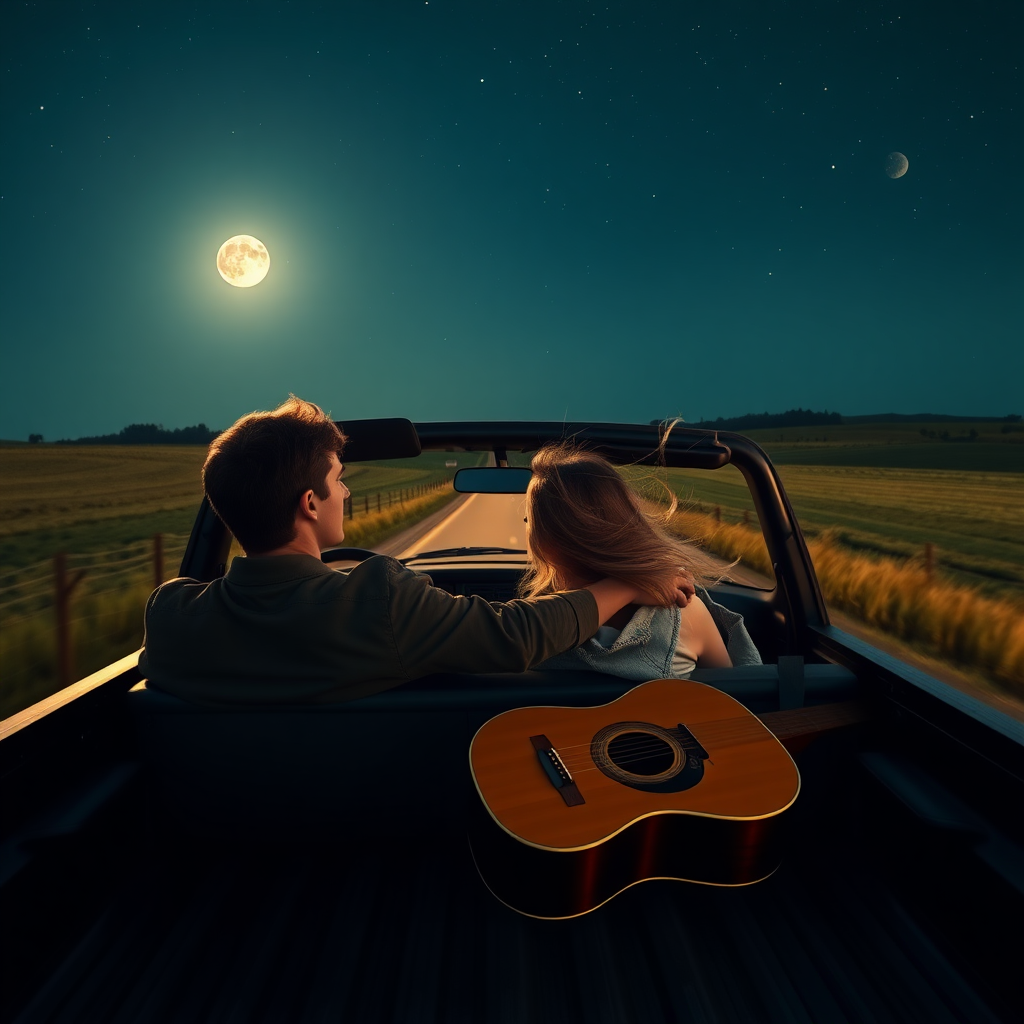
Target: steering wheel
point(346, 554)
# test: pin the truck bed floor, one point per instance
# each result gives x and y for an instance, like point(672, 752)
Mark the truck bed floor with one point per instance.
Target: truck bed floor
point(410, 934)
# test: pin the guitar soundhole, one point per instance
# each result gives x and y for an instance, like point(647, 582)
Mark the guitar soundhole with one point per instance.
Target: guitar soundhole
point(650, 757)
point(640, 753)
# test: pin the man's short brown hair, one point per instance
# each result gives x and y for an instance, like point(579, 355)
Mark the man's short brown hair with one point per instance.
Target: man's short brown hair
point(257, 470)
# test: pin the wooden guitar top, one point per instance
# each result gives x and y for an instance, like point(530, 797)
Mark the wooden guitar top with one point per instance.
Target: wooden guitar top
point(748, 774)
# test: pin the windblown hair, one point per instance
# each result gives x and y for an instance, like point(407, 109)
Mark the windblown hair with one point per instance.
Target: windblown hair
point(257, 470)
point(585, 523)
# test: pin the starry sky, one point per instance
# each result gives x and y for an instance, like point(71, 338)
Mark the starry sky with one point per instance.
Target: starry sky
point(614, 211)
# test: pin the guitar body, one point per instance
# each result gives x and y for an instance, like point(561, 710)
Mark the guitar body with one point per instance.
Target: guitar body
point(674, 779)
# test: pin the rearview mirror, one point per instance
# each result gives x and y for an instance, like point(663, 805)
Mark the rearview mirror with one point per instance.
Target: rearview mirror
point(491, 480)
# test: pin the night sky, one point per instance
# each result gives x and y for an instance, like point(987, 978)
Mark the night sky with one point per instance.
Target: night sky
point(509, 210)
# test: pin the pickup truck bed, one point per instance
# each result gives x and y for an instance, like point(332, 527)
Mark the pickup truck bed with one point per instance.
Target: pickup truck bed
point(392, 927)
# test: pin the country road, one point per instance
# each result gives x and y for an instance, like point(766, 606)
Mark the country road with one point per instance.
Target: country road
point(482, 520)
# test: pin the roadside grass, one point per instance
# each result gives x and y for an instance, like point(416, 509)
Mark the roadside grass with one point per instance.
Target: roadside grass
point(364, 531)
point(728, 540)
point(971, 519)
point(900, 598)
point(906, 601)
point(104, 627)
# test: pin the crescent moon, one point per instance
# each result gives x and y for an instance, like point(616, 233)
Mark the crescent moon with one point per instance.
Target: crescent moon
point(896, 165)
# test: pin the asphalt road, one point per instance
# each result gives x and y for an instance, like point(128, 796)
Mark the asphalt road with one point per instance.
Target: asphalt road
point(481, 520)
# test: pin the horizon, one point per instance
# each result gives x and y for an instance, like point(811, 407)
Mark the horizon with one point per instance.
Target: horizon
point(897, 417)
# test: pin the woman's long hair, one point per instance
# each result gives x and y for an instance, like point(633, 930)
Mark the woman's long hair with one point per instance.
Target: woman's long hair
point(585, 523)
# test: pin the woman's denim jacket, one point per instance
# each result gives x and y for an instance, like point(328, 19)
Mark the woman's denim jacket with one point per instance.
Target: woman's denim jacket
point(645, 647)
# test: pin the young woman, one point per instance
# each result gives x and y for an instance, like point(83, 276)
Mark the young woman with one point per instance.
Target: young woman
point(584, 522)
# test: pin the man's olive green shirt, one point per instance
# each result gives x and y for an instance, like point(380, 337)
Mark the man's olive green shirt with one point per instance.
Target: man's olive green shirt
point(289, 629)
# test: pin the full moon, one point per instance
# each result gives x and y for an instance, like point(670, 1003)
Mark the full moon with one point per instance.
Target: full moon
point(896, 165)
point(243, 261)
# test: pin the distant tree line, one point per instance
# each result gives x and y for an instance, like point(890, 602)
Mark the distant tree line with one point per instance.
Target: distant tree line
point(809, 418)
point(755, 420)
point(929, 417)
point(149, 433)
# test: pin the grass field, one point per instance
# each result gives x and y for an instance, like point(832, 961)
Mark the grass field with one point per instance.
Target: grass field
point(895, 432)
point(995, 447)
point(972, 519)
point(64, 498)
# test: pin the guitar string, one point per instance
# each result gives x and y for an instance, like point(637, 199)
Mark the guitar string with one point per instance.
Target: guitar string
point(576, 769)
point(591, 767)
point(651, 744)
point(740, 724)
point(650, 741)
point(735, 720)
point(643, 749)
point(633, 753)
point(647, 744)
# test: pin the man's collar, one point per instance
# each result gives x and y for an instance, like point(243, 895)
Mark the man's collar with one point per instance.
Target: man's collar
point(259, 570)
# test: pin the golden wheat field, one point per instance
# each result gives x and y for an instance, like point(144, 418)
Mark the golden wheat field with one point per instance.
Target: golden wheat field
point(903, 599)
point(972, 520)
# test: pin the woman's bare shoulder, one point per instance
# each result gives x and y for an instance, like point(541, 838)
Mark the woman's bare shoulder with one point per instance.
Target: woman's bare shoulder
point(695, 611)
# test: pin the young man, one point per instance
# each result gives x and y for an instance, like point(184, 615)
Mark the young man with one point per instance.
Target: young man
point(281, 626)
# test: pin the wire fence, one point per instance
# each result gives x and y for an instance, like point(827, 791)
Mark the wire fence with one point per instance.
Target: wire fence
point(33, 588)
point(67, 616)
point(370, 502)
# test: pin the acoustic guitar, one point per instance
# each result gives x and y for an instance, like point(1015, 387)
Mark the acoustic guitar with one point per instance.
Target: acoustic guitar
point(674, 780)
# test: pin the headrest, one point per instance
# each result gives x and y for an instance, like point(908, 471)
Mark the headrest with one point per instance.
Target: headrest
point(373, 440)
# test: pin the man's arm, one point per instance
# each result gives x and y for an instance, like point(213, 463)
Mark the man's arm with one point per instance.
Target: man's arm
point(435, 632)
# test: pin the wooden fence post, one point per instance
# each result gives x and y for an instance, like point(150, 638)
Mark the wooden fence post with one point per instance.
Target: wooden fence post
point(64, 586)
point(378, 501)
point(158, 559)
point(718, 513)
point(746, 517)
point(929, 560)
point(366, 504)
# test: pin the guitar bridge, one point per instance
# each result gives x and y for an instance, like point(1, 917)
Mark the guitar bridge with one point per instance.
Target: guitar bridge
point(556, 771)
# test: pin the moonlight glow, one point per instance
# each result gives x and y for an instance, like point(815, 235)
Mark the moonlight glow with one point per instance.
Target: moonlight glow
point(243, 261)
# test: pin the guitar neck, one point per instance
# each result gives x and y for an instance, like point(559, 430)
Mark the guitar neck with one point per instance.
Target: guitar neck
point(803, 724)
